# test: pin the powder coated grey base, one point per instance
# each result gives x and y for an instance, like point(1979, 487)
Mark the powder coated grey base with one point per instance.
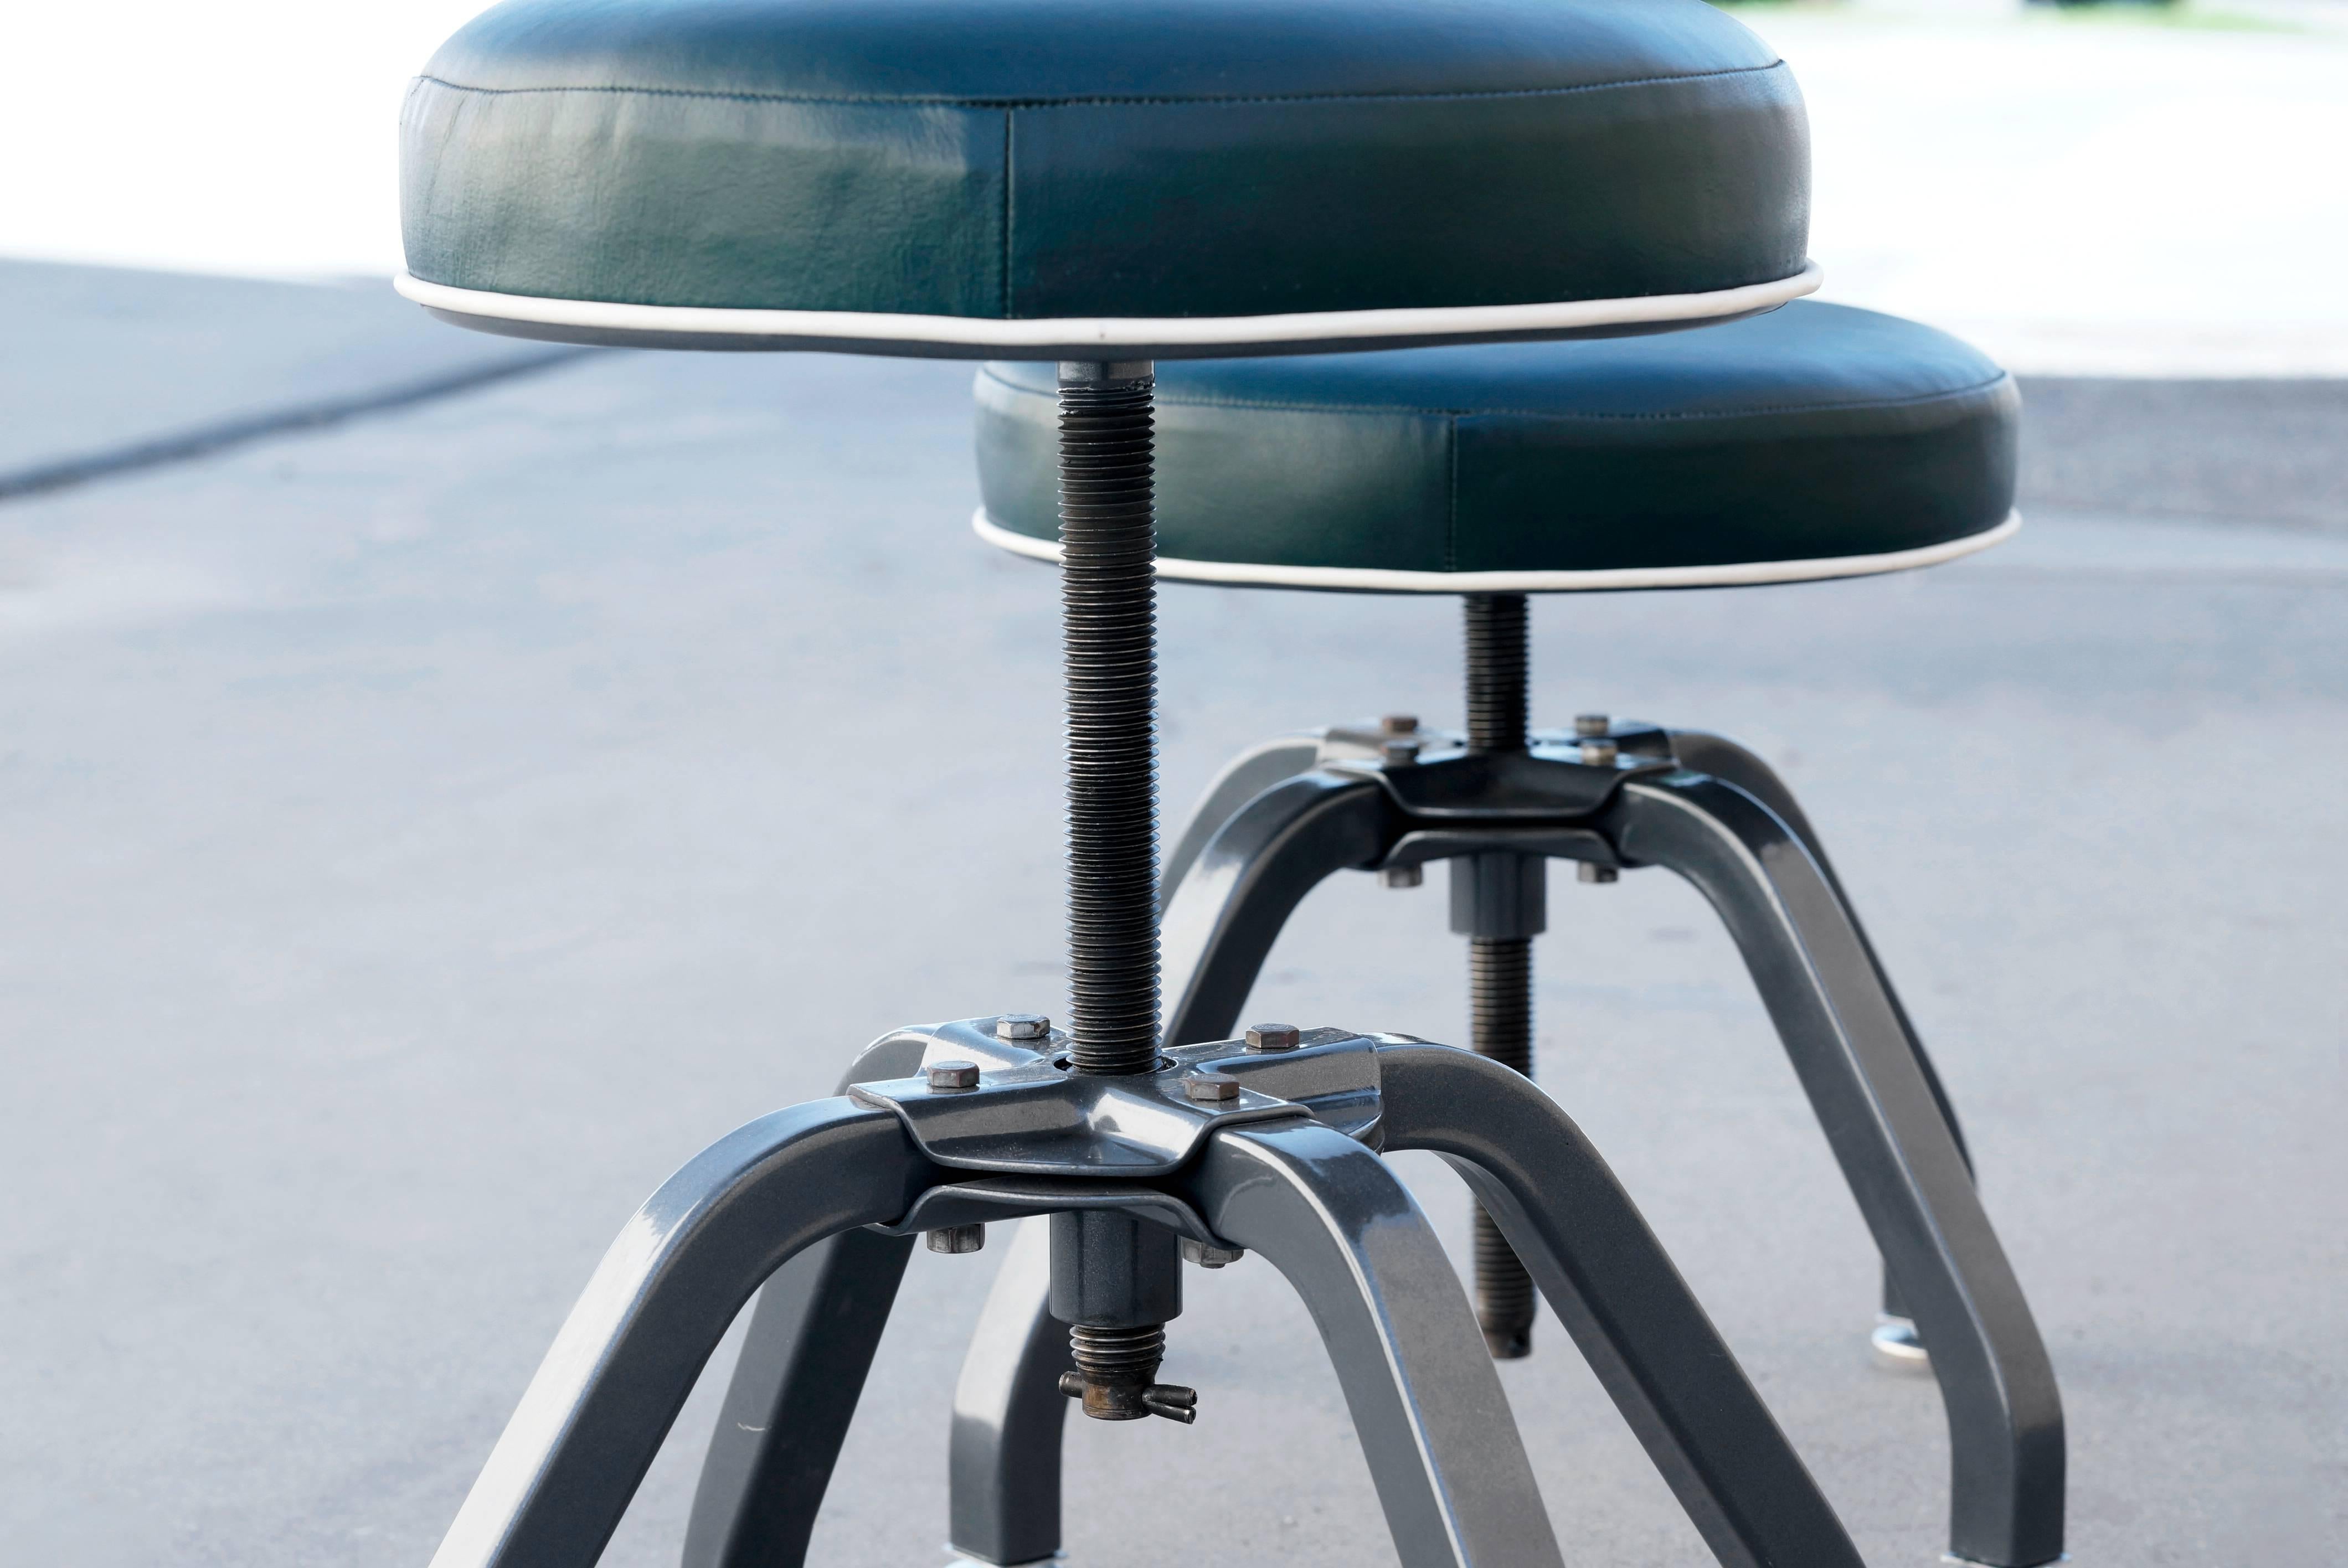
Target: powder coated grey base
point(1286, 1168)
point(1288, 813)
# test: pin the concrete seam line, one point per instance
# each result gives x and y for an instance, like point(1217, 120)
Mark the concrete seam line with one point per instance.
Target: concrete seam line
point(204, 440)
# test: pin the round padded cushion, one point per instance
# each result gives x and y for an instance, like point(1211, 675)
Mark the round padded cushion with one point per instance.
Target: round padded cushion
point(998, 161)
point(1815, 441)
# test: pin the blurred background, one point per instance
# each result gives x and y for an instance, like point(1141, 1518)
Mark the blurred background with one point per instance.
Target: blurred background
point(445, 781)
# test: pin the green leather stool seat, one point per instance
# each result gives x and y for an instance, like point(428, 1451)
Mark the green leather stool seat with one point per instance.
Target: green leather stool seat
point(1042, 177)
point(1815, 441)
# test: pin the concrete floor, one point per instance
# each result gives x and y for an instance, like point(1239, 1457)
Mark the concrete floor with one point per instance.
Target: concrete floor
point(427, 832)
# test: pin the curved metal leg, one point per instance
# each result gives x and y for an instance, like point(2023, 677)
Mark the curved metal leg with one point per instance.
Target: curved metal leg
point(1243, 778)
point(1003, 1463)
point(814, 1330)
point(1722, 758)
point(1223, 918)
point(593, 1417)
point(804, 1361)
point(1625, 1305)
point(1822, 990)
point(1442, 1448)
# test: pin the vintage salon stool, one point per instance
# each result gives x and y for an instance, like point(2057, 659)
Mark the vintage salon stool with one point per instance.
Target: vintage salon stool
point(1814, 442)
point(1099, 186)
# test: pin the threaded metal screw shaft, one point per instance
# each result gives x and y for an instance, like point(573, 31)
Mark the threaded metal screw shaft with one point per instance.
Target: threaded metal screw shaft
point(1108, 588)
point(1500, 988)
point(1498, 672)
point(1500, 969)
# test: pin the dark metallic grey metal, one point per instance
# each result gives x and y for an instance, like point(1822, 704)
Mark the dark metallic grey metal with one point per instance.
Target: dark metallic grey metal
point(1632, 1316)
point(805, 1357)
point(1503, 895)
point(1247, 775)
point(1435, 1427)
point(1723, 759)
point(1259, 864)
point(1008, 1406)
point(1500, 1009)
point(1214, 1005)
point(1220, 922)
point(1608, 1279)
point(957, 1240)
point(1108, 638)
point(587, 1429)
point(816, 1324)
point(1892, 1138)
point(1498, 662)
point(1112, 1269)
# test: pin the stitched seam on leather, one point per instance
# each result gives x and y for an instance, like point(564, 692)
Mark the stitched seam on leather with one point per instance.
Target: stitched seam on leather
point(1167, 102)
point(1399, 409)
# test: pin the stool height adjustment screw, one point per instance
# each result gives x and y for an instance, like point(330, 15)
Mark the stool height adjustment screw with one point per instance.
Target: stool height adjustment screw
point(1500, 969)
point(1108, 640)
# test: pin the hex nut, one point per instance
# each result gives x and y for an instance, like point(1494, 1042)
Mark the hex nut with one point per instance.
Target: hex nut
point(956, 1239)
point(1207, 1256)
point(953, 1075)
point(1022, 1026)
point(1591, 871)
point(1211, 1087)
point(1399, 723)
point(1261, 1036)
point(1402, 876)
point(1587, 724)
point(1399, 753)
point(1599, 753)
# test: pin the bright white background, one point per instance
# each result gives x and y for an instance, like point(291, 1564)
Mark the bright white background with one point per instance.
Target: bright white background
point(2089, 196)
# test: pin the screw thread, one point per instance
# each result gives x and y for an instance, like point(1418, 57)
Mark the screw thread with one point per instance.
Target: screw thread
point(1500, 991)
point(1109, 599)
point(1498, 672)
point(1117, 1355)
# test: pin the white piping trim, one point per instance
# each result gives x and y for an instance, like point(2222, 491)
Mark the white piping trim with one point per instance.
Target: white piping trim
point(1108, 332)
point(1373, 579)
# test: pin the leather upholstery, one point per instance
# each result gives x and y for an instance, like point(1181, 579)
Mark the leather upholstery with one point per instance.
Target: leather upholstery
point(1813, 433)
point(1042, 158)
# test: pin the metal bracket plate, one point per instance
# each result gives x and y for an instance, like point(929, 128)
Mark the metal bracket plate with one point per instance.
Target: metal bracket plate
point(1446, 783)
point(1029, 1116)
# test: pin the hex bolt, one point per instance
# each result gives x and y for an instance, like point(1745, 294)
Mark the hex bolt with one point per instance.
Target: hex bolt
point(1023, 1026)
point(1587, 725)
point(1261, 1036)
point(1599, 753)
point(1402, 876)
point(1208, 1255)
point(956, 1239)
point(1211, 1087)
point(1591, 872)
point(948, 1077)
point(1399, 723)
point(1399, 753)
